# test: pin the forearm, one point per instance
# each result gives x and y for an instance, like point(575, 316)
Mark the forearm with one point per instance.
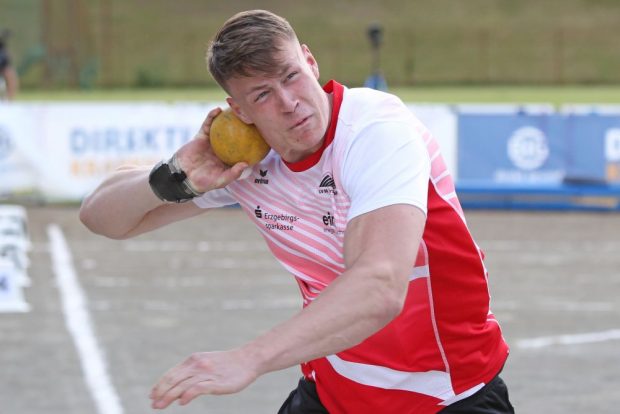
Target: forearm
point(120, 203)
point(380, 248)
point(346, 313)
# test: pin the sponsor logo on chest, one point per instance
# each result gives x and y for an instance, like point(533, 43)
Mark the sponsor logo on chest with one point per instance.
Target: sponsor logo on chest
point(327, 186)
point(262, 179)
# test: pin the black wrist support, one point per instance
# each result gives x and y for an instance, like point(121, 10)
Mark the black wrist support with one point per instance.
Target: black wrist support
point(170, 183)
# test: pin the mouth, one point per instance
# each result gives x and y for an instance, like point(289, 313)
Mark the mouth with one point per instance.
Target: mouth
point(300, 123)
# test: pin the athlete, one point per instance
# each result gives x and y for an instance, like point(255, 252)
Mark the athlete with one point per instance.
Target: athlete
point(7, 72)
point(355, 201)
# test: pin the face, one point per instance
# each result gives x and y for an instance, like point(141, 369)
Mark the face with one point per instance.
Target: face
point(290, 108)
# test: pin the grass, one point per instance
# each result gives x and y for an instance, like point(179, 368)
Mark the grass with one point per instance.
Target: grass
point(111, 95)
point(154, 43)
point(556, 95)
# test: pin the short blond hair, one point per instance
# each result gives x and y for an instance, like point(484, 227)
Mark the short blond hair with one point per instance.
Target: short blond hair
point(247, 44)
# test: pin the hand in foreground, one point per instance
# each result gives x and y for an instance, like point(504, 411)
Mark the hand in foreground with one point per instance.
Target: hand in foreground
point(204, 170)
point(203, 373)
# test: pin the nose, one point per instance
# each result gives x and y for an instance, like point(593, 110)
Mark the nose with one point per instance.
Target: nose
point(288, 101)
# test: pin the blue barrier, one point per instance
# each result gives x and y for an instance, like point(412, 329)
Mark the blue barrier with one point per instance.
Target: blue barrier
point(586, 197)
point(539, 160)
point(594, 142)
point(511, 149)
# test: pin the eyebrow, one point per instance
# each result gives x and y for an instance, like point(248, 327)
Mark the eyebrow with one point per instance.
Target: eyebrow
point(284, 70)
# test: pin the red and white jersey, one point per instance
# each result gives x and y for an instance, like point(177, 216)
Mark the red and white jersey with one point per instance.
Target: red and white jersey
point(446, 344)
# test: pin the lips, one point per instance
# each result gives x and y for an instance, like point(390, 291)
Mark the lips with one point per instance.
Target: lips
point(300, 122)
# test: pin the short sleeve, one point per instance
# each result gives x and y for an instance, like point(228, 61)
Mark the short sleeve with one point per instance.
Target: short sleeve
point(386, 163)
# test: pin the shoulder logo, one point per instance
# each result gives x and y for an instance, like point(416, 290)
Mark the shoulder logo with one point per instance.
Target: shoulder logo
point(262, 179)
point(328, 185)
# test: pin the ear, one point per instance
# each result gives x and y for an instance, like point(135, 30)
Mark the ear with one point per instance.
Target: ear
point(310, 60)
point(238, 111)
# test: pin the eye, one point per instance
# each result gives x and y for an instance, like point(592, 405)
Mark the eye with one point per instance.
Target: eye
point(260, 96)
point(291, 75)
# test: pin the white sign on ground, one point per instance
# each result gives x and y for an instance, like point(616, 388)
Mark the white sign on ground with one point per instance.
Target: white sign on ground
point(11, 293)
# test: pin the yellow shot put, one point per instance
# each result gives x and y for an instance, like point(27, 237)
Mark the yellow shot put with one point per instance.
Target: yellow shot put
point(234, 141)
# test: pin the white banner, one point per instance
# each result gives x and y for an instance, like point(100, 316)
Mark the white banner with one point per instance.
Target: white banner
point(88, 141)
point(18, 139)
point(64, 150)
point(11, 292)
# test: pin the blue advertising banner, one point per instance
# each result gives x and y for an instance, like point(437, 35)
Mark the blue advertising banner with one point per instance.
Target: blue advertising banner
point(553, 160)
point(594, 142)
point(513, 149)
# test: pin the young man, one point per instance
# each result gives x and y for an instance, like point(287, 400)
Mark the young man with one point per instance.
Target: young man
point(7, 72)
point(358, 206)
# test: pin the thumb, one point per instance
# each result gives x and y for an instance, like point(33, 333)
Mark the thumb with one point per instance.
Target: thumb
point(238, 171)
point(241, 170)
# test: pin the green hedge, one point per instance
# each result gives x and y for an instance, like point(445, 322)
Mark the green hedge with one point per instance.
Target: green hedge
point(155, 43)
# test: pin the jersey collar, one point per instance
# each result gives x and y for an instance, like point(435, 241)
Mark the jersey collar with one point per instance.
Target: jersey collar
point(337, 91)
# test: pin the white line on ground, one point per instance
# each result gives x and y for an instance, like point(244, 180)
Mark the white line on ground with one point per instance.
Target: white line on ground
point(574, 339)
point(79, 324)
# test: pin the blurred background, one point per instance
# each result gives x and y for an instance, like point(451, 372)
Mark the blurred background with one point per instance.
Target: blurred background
point(522, 96)
point(160, 43)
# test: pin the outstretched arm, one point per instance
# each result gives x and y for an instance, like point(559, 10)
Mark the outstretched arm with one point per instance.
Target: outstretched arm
point(380, 250)
point(124, 205)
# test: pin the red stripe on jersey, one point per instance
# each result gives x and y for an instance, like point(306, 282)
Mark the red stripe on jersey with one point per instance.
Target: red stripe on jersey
point(474, 347)
point(337, 90)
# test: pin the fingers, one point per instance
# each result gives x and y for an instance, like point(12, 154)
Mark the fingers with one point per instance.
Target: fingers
point(175, 383)
point(187, 391)
point(184, 391)
point(161, 392)
point(184, 382)
point(206, 124)
point(231, 174)
point(203, 373)
point(200, 388)
point(239, 169)
point(195, 376)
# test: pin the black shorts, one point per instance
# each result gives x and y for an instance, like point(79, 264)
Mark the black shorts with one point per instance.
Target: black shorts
point(303, 400)
point(490, 399)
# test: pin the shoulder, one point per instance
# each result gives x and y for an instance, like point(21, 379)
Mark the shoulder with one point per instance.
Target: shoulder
point(369, 105)
point(366, 111)
point(369, 119)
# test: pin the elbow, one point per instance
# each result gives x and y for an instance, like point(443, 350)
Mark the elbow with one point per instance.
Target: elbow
point(89, 219)
point(86, 216)
point(95, 223)
point(393, 304)
point(390, 292)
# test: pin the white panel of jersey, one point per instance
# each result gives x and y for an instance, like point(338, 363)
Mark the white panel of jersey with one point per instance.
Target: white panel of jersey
point(384, 158)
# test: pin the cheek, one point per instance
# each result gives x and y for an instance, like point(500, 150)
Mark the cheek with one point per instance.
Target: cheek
point(264, 122)
point(271, 134)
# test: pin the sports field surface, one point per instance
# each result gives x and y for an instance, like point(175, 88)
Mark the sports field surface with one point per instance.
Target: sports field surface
point(109, 317)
